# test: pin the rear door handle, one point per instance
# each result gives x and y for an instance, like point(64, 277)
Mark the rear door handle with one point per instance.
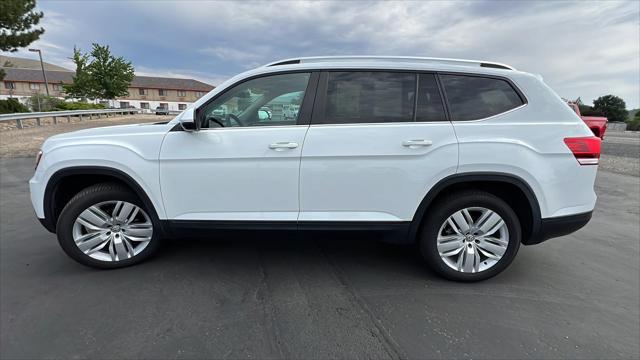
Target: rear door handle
point(416, 143)
point(283, 145)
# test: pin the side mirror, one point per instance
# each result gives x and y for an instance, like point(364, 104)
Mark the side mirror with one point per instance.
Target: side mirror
point(187, 120)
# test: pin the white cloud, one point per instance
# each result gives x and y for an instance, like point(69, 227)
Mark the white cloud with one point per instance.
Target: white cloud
point(582, 49)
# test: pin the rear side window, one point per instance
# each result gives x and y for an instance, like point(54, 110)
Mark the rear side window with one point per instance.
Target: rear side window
point(369, 97)
point(430, 106)
point(473, 98)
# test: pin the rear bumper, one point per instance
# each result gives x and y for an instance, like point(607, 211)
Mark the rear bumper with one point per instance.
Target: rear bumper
point(559, 226)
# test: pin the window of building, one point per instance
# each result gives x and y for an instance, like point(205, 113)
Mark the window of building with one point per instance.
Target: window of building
point(369, 97)
point(9, 85)
point(34, 86)
point(430, 107)
point(257, 102)
point(182, 106)
point(142, 91)
point(164, 105)
point(57, 87)
point(124, 104)
point(182, 93)
point(144, 105)
point(162, 92)
point(200, 93)
point(474, 97)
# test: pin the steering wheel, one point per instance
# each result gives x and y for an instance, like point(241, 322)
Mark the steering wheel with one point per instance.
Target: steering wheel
point(234, 117)
point(215, 120)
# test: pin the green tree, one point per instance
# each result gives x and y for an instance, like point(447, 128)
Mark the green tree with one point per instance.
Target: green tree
point(99, 75)
point(612, 107)
point(17, 20)
point(634, 124)
point(110, 75)
point(82, 87)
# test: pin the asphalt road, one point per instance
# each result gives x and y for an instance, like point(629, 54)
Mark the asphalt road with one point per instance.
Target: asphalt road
point(625, 144)
point(320, 297)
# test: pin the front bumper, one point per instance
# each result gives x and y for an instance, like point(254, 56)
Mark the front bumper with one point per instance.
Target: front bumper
point(559, 226)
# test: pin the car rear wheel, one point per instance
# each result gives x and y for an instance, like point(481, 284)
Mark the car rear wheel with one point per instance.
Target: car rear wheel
point(107, 226)
point(470, 236)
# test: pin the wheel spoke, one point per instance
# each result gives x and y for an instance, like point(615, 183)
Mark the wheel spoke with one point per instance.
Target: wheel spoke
point(122, 211)
point(89, 241)
point(489, 222)
point(491, 250)
point(461, 221)
point(120, 249)
point(143, 231)
point(93, 218)
point(451, 246)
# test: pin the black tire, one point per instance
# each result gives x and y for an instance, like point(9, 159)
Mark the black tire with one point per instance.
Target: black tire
point(438, 214)
point(91, 196)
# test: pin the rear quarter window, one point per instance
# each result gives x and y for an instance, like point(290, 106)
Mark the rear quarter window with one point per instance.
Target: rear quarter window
point(474, 97)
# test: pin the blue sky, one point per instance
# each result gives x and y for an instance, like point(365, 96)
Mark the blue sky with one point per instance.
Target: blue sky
point(582, 49)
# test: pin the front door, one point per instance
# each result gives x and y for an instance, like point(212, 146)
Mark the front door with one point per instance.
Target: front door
point(243, 164)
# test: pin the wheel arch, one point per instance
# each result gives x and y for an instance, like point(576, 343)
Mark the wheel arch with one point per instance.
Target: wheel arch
point(524, 200)
point(80, 177)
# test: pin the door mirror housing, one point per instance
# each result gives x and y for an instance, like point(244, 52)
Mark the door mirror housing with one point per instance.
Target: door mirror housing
point(187, 121)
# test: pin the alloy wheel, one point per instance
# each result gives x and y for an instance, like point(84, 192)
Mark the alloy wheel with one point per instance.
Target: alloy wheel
point(112, 231)
point(473, 239)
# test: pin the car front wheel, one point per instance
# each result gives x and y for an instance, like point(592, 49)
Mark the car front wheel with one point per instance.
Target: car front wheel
point(470, 236)
point(106, 226)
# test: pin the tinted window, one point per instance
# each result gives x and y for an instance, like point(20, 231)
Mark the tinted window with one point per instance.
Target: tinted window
point(264, 101)
point(472, 98)
point(369, 97)
point(430, 106)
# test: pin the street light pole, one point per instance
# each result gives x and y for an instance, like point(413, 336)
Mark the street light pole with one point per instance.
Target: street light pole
point(44, 74)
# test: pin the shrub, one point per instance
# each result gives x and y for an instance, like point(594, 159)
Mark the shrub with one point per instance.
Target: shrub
point(78, 106)
point(635, 123)
point(11, 106)
point(42, 102)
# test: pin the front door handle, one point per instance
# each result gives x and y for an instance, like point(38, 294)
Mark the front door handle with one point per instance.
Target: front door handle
point(416, 143)
point(283, 145)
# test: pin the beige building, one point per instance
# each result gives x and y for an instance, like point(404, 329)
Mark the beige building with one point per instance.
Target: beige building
point(146, 92)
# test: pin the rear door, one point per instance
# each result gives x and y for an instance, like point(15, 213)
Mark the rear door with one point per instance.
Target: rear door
point(377, 143)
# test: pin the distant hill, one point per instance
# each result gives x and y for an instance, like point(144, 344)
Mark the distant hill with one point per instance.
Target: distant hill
point(22, 63)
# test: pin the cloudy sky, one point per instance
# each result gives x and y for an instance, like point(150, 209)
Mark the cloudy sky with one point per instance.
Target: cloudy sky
point(582, 49)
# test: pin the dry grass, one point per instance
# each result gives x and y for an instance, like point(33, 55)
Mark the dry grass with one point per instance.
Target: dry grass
point(26, 142)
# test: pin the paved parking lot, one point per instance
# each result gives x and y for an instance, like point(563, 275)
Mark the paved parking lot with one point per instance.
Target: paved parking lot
point(320, 297)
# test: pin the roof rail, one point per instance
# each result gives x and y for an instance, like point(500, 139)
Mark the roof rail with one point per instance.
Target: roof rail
point(400, 59)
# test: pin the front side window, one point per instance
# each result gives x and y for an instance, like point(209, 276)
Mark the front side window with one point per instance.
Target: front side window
point(369, 97)
point(265, 101)
point(474, 97)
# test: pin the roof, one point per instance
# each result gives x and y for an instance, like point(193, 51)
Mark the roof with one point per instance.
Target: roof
point(66, 77)
point(22, 63)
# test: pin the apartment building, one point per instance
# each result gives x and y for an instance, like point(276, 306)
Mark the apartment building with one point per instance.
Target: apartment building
point(146, 92)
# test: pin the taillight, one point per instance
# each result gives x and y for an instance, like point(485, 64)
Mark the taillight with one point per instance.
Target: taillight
point(585, 149)
point(38, 158)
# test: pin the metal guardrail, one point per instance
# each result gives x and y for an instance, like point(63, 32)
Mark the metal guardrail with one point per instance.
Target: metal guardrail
point(18, 117)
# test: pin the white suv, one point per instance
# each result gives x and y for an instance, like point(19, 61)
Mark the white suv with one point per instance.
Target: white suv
point(467, 159)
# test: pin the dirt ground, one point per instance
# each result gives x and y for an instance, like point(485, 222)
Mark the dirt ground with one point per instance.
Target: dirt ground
point(26, 142)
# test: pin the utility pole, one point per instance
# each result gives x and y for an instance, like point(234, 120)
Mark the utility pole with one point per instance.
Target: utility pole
point(44, 75)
